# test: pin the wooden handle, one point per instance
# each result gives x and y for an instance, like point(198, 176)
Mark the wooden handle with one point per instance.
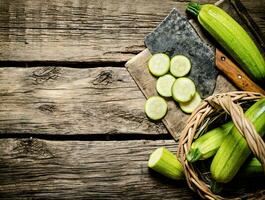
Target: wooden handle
point(236, 75)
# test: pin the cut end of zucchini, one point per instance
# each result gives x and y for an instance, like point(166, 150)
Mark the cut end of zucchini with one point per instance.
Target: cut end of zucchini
point(190, 106)
point(166, 163)
point(164, 85)
point(159, 64)
point(155, 157)
point(155, 107)
point(180, 66)
point(183, 90)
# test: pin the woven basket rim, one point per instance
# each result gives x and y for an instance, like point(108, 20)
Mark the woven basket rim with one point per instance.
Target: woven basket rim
point(229, 102)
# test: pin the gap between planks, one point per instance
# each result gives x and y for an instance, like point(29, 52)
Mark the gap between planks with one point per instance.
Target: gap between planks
point(88, 137)
point(70, 64)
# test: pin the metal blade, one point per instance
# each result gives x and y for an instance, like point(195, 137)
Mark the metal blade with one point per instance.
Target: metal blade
point(176, 36)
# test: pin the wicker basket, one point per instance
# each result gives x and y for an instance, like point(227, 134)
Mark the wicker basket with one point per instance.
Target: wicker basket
point(227, 103)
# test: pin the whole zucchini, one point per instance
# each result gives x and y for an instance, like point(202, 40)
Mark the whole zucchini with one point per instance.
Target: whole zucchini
point(233, 38)
point(234, 150)
point(206, 145)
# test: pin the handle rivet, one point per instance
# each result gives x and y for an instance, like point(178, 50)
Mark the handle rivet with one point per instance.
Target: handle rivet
point(222, 58)
point(239, 76)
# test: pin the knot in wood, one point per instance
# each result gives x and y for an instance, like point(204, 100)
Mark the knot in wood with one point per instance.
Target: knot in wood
point(33, 148)
point(44, 74)
point(104, 78)
point(47, 108)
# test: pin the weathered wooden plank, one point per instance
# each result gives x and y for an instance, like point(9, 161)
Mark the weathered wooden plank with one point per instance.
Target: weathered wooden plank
point(246, 17)
point(59, 100)
point(33, 168)
point(82, 169)
point(84, 31)
point(256, 11)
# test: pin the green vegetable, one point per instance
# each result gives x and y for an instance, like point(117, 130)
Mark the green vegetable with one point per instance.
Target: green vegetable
point(180, 66)
point(155, 107)
point(190, 106)
point(207, 145)
point(159, 64)
point(166, 163)
point(164, 85)
point(233, 38)
point(183, 90)
point(234, 150)
point(252, 167)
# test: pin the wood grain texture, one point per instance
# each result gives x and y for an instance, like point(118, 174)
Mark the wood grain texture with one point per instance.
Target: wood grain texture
point(68, 101)
point(244, 14)
point(256, 11)
point(49, 109)
point(79, 31)
point(85, 31)
point(82, 169)
point(235, 74)
point(42, 169)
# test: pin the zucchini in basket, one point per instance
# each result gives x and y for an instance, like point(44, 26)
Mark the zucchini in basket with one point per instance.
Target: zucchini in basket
point(207, 145)
point(167, 164)
point(234, 150)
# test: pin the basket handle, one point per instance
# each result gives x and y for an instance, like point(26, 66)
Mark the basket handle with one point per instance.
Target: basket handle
point(244, 126)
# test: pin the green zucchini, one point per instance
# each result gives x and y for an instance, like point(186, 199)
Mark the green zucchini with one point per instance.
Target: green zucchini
point(234, 150)
point(207, 145)
point(166, 163)
point(233, 38)
point(252, 167)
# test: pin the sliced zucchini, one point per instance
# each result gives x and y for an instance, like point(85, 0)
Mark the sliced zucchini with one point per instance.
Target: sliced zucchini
point(159, 64)
point(183, 90)
point(155, 107)
point(180, 66)
point(164, 85)
point(190, 106)
point(166, 163)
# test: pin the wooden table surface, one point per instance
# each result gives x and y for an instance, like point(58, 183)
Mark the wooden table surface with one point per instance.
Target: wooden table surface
point(71, 118)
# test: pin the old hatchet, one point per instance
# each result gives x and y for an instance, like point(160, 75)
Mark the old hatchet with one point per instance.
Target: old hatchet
point(175, 35)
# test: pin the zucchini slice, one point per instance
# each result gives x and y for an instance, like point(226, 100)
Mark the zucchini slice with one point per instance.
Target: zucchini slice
point(155, 107)
point(183, 90)
point(164, 85)
point(180, 65)
point(159, 64)
point(190, 106)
